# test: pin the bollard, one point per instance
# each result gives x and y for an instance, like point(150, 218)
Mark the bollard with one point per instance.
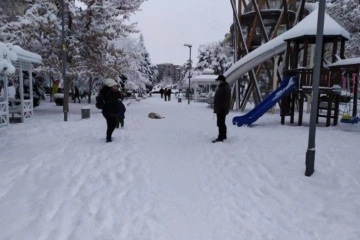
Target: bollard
point(85, 112)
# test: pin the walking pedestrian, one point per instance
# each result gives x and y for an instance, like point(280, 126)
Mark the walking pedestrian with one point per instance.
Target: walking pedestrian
point(76, 94)
point(161, 92)
point(109, 95)
point(121, 114)
point(165, 94)
point(169, 94)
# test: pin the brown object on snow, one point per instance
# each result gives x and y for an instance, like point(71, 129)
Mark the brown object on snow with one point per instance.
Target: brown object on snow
point(153, 115)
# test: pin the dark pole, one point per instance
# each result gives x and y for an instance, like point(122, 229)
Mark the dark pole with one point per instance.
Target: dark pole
point(190, 66)
point(63, 44)
point(356, 86)
point(310, 154)
point(234, 37)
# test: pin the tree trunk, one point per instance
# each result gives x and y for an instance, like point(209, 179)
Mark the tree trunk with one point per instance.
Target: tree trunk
point(89, 90)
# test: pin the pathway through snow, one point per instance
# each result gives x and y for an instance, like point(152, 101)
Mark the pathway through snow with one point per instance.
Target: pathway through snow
point(162, 179)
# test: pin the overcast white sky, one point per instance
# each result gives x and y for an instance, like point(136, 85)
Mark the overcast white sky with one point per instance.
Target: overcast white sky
point(167, 24)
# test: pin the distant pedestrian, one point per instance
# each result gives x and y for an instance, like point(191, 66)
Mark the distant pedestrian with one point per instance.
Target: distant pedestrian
point(121, 114)
point(76, 94)
point(161, 92)
point(221, 106)
point(109, 95)
point(169, 94)
point(165, 94)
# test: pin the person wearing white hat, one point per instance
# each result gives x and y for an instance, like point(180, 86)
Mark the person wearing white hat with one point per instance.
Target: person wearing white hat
point(110, 96)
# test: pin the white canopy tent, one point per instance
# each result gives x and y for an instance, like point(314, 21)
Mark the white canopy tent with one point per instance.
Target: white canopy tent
point(14, 61)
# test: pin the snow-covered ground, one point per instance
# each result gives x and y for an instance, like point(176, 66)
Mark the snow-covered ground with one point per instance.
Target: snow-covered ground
point(162, 179)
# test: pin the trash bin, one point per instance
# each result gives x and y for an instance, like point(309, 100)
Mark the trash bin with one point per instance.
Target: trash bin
point(179, 99)
point(59, 99)
point(85, 112)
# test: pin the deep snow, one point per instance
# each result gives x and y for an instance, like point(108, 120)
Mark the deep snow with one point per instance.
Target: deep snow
point(164, 180)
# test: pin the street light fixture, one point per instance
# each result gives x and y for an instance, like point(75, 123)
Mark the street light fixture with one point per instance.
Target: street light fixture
point(189, 45)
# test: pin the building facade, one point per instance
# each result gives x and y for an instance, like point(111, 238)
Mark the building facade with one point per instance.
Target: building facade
point(169, 72)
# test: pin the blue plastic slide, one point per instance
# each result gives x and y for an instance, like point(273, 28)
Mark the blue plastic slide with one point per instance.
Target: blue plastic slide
point(287, 85)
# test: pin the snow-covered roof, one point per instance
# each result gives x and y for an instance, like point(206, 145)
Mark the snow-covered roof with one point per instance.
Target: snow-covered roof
point(311, 6)
point(345, 62)
point(208, 71)
point(308, 27)
point(204, 79)
point(6, 56)
point(11, 53)
point(24, 55)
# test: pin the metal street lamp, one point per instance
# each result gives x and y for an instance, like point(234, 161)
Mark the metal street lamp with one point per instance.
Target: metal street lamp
point(310, 153)
point(189, 45)
point(63, 47)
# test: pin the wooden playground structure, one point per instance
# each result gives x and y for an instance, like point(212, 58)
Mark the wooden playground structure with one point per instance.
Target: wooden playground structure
point(259, 21)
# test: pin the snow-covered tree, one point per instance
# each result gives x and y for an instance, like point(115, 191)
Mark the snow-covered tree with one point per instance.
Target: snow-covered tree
point(213, 56)
point(91, 34)
point(347, 14)
point(3, 16)
point(184, 75)
point(130, 74)
point(98, 27)
point(148, 70)
point(38, 30)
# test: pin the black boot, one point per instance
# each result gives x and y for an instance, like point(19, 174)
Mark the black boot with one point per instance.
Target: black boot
point(217, 140)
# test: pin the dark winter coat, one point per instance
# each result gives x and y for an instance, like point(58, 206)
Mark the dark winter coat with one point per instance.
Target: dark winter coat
point(77, 92)
point(111, 101)
point(222, 98)
point(121, 110)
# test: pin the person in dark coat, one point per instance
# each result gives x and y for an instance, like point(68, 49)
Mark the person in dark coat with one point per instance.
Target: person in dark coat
point(161, 92)
point(76, 94)
point(221, 106)
point(121, 114)
point(165, 94)
point(169, 94)
point(110, 95)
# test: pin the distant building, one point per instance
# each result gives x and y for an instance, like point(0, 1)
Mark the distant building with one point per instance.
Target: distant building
point(169, 70)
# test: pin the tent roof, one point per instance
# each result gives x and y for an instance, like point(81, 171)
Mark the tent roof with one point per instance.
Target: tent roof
point(204, 79)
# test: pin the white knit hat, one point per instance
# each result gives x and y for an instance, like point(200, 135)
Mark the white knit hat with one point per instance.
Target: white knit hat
point(110, 82)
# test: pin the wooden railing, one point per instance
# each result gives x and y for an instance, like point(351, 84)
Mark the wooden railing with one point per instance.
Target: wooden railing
point(305, 77)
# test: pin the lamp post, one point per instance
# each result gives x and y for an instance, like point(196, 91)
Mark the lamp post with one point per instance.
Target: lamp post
point(63, 47)
point(310, 153)
point(189, 45)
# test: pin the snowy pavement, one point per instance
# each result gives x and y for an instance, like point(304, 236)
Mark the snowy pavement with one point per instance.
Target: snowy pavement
point(162, 179)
